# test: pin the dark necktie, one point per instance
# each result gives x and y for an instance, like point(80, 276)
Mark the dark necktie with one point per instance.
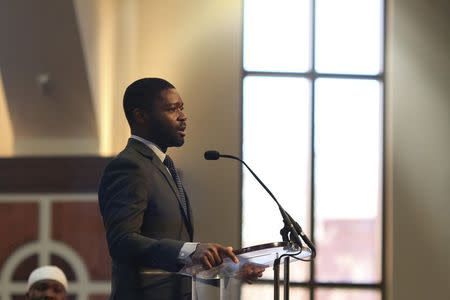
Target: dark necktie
point(168, 162)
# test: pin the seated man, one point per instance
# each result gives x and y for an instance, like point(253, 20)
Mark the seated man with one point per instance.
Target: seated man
point(47, 282)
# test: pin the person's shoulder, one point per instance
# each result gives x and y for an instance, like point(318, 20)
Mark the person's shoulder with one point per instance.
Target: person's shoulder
point(131, 157)
point(127, 157)
point(122, 168)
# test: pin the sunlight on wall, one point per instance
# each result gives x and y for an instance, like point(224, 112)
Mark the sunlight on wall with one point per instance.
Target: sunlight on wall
point(96, 25)
point(6, 134)
point(105, 56)
point(126, 61)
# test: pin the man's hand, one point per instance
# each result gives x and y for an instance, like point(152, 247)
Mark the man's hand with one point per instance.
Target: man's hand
point(211, 255)
point(250, 272)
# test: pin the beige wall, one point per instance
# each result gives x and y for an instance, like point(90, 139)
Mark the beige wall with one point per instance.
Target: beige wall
point(419, 120)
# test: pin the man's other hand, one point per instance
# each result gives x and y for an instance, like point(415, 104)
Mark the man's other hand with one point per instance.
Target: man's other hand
point(250, 272)
point(211, 255)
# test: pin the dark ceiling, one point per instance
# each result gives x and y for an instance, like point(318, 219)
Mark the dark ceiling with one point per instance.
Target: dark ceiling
point(40, 40)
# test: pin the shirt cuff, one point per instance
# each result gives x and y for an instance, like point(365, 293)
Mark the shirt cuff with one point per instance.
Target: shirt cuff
point(185, 252)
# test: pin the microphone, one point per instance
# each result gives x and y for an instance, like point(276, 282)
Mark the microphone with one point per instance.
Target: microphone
point(303, 236)
point(212, 155)
point(291, 225)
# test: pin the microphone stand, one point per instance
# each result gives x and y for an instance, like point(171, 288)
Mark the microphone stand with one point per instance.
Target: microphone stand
point(276, 264)
point(289, 233)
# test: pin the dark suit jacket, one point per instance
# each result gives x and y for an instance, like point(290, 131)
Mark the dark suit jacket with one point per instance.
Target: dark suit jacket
point(145, 226)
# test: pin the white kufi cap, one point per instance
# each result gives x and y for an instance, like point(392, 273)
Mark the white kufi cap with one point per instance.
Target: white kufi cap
point(47, 273)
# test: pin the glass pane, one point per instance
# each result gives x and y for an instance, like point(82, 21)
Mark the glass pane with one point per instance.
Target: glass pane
point(347, 294)
point(276, 145)
point(265, 292)
point(277, 35)
point(349, 36)
point(348, 180)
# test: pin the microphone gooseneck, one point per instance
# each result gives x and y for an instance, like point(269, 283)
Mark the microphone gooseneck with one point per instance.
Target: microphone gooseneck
point(294, 227)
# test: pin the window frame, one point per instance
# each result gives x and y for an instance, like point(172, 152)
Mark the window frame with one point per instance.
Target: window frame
point(311, 285)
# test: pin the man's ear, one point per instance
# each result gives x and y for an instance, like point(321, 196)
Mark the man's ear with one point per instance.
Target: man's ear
point(140, 116)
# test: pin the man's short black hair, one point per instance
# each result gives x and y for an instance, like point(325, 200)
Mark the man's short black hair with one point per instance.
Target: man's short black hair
point(142, 93)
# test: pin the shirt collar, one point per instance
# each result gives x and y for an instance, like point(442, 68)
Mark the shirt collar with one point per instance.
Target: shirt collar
point(161, 155)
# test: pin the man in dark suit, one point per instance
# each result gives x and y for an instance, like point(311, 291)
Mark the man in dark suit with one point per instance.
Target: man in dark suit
point(145, 210)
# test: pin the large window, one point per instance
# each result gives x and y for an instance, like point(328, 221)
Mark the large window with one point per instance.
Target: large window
point(313, 87)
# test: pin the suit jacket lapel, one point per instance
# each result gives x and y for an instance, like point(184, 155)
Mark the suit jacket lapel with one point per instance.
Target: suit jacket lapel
point(147, 152)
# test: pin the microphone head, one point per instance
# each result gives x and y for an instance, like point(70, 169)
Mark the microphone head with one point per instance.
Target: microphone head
point(212, 155)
